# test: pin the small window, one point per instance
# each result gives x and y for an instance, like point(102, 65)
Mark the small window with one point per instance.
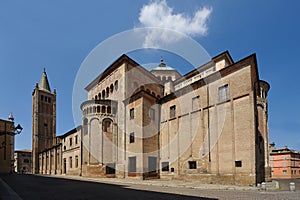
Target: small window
point(111, 88)
point(152, 114)
point(284, 164)
point(192, 165)
point(223, 93)
point(76, 139)
point(103, 94)
point(116, 85)
point(49, 100)
point(284, 157)
point(284, 172)
point(165, 166)
point(76, 161)
point(131, 113)
point(110, 169)
point(70, 162)
point(107, 92)
point(132, 164)
point(42, 97)
point(108, 109)
point(26, 161)
point(195, 103)
point(172, 111)
point(65, 147)
point(131, 137)
point(238, 163)
point(70, 141)
point(172, 169)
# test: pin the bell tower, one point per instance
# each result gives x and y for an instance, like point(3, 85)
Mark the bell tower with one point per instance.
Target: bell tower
point(43, 119)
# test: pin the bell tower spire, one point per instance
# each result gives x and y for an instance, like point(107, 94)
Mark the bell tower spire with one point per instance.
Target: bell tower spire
point(44, 83)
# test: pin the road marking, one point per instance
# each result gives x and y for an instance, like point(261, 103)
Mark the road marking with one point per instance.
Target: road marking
point(11, 193)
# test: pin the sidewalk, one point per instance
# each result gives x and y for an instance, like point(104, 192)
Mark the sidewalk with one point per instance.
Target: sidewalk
point(163, 183)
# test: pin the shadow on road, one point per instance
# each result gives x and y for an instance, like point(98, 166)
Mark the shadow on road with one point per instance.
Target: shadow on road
point(39, 187)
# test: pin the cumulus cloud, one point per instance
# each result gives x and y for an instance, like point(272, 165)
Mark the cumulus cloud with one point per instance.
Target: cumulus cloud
point(159, 14)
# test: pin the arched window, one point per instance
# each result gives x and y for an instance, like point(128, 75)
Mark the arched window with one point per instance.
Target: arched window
point(107, 92)
point(98, 109)
point(107, 125)
point(103, 109)
point(169, 78)
point(96, 97)
point(94, 109)
point(111, 88)
point(108, 109)
point(91, 109)
point(116, 85)
point(164, 79)
point(153, 93)
point(99, 96)
point(103, 94)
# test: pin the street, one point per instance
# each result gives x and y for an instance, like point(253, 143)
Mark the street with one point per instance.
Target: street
point(38, 187)
point(59, 187)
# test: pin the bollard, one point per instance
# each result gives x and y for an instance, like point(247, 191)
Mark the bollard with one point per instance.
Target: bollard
point(263, 186)
point(258, 186)
point(292, 187)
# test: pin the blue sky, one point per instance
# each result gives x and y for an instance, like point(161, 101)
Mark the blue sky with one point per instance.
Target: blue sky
point(59, 35)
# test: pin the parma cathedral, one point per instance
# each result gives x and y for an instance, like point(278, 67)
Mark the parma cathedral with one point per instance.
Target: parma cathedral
point(209, 125)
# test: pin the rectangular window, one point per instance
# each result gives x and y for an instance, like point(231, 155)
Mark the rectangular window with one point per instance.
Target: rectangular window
point(284, 172)
point(195, 103)
point(76, 161)
point(131, 113)
point(172, 111)
point(131, 137)
point(223, 93)
point(238, 163)
point(110, 169)
point(192, 165)
point(284, 157)
point(152, 114)
point(132, 164)
point(284, 164)
point(71, 162)
point(165, 166)
point(76, 139)
point(152, 162)
point(70, 141)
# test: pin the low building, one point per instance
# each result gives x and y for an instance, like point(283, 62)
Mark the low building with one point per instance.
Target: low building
point(65, 157)
point(7, 132)
point(23, 161)
point(285, 162)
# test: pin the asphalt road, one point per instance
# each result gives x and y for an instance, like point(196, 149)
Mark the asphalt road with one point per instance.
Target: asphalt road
point(42, 187)
point(37, 187)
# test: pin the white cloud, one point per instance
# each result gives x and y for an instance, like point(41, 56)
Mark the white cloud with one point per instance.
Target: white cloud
point(159, 14)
